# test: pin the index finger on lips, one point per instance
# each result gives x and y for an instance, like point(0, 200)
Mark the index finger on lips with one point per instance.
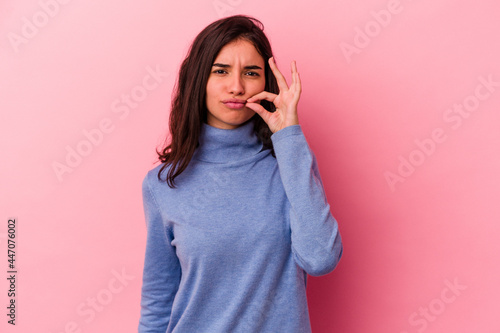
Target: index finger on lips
point(262, 95)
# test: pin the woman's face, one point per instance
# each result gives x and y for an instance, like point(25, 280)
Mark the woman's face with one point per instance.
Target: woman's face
point(236, 75)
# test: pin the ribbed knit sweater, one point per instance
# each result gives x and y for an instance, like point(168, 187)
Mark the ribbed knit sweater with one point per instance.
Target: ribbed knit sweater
point(229, 249)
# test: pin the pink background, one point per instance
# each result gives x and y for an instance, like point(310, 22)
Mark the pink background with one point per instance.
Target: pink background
point(367, 97)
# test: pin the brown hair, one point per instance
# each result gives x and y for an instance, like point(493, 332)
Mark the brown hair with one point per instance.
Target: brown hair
point(189, 109)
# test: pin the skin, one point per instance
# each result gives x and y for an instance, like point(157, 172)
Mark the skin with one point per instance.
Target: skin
point(238, 72)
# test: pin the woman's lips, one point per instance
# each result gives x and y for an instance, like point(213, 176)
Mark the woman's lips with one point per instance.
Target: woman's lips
point(234, 103)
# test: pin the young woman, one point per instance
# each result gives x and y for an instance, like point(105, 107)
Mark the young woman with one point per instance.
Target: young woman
point(236, 213)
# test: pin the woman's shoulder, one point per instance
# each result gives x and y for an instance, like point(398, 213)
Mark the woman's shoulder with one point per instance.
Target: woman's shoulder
point(152, 178)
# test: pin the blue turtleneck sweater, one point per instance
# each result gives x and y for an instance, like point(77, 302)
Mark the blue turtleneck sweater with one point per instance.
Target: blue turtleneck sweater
point(230, 248)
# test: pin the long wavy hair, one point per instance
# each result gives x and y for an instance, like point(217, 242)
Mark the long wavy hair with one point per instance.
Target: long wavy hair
point(188, 109)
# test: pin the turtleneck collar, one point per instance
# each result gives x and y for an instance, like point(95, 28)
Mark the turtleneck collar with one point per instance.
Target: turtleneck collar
point(227, 145)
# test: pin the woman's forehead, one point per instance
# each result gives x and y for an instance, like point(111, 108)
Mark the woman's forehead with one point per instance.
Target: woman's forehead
point(239, 51)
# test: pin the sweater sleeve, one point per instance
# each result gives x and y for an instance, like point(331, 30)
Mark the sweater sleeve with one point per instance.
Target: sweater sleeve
point(315, 237)
point(161, 274)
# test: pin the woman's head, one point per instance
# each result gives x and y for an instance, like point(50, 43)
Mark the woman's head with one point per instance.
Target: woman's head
point(196, 68)
point(236, 75)
point(189, 103)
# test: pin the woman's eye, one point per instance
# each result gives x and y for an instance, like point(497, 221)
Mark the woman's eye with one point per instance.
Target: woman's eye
point(253, 73)
point(219, 71)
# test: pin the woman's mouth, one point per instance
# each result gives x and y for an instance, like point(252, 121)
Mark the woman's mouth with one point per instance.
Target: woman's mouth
point(234, 103)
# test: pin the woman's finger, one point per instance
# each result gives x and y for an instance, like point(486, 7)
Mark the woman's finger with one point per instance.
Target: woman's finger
point(298, 87)
point(293, 69)
point(279, 77)
point(296, 78)
point(260, 110)
point(298, 84)
point(294, 72)
point(264, 95)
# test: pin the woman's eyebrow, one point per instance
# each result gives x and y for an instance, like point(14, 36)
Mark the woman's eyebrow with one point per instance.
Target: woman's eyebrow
point(253, 67)
point(227, 66)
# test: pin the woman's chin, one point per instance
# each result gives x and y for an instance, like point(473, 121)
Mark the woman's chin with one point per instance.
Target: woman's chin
point(232, 119)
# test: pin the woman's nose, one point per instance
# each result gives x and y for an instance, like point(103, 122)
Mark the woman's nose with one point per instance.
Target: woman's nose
point(236, 85)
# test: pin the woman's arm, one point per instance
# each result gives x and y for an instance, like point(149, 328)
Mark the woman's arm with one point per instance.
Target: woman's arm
point(316, 242)
point(161, 275)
